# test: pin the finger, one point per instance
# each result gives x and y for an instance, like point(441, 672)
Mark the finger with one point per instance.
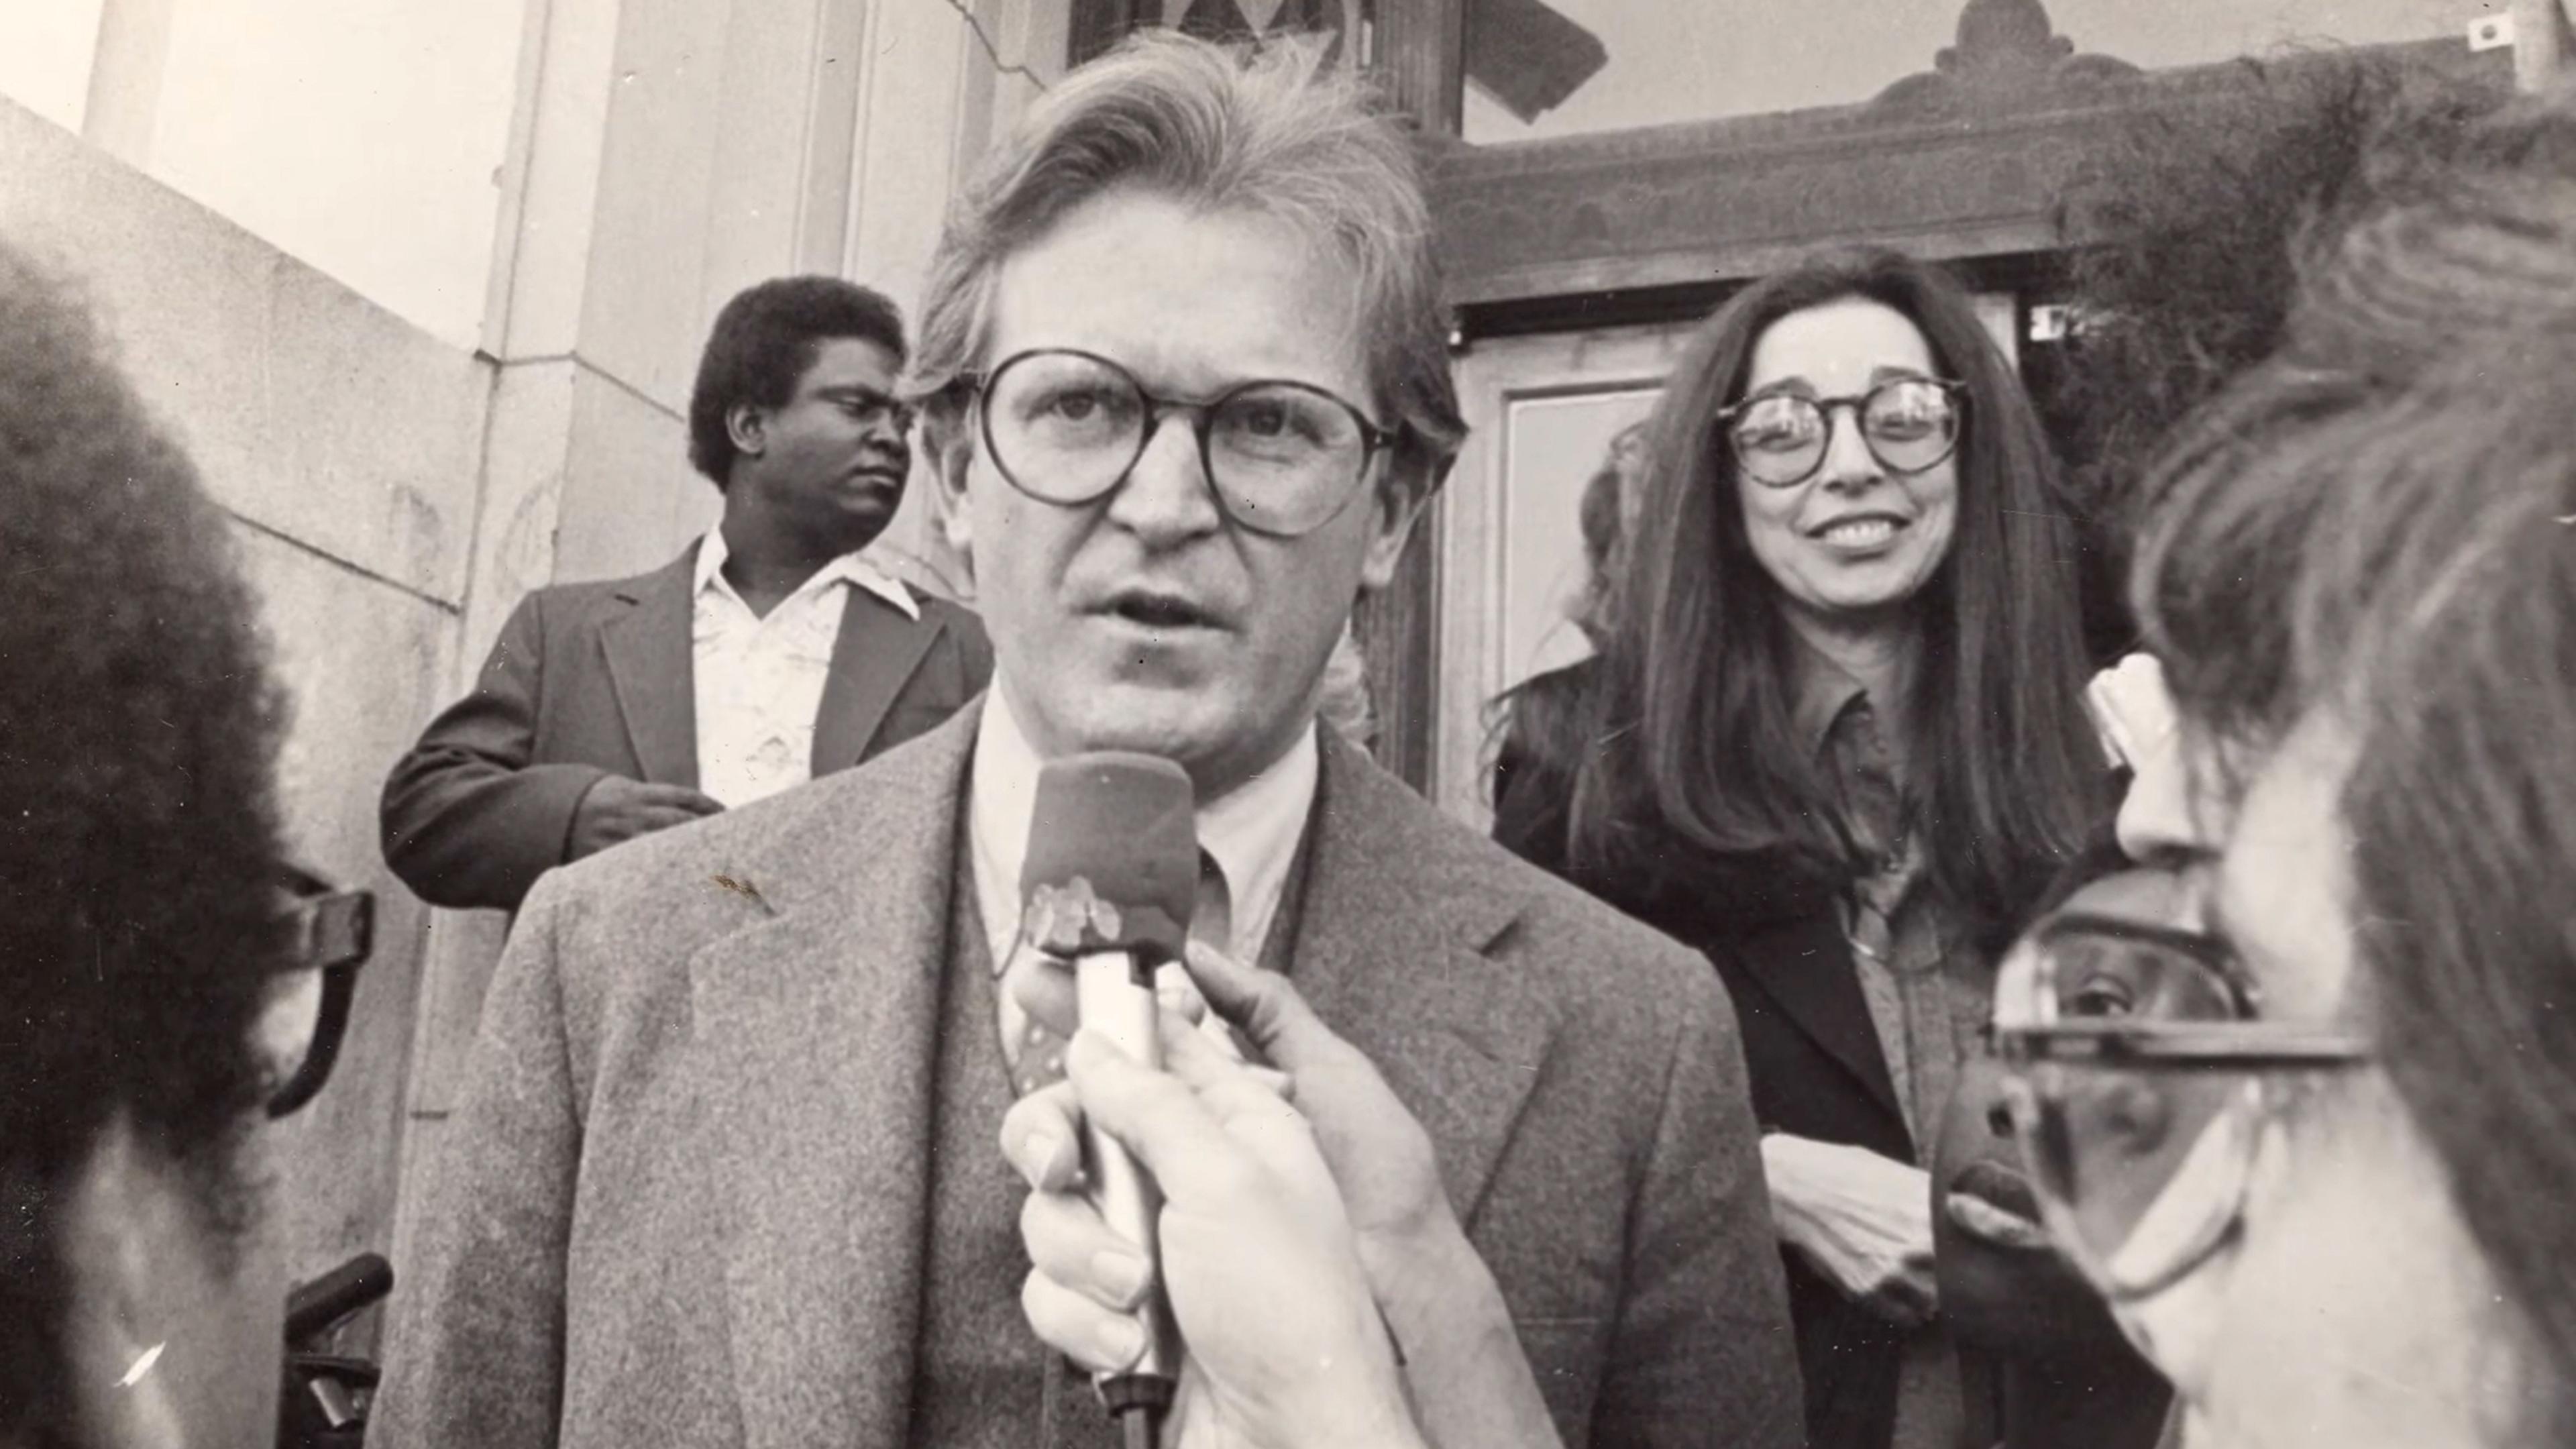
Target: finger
point(1041, 1138)
point(676, 797)
point(1221, 1078)
point(1081, 1330)
point(1043, 986)
point(1915, 1291)
point(1162, 1121)
point(1069, 1242)
point(1265, 1008)
point(1175, 993)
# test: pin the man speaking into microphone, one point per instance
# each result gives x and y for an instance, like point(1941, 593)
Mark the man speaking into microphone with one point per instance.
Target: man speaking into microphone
point(725, 1168)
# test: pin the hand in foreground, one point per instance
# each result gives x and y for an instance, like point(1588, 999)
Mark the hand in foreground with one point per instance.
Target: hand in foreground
point(1379, 1155)
point(1863, 1220)
point(1284, 1343)
point(616, 810)
point(1470, 1382)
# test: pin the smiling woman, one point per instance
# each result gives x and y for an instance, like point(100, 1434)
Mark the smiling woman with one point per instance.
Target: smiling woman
point(1834, 740)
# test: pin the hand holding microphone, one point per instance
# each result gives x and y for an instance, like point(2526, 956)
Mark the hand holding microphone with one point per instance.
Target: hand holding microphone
point(1285, 1346)
point(1462, 1361)
point(1108, 885)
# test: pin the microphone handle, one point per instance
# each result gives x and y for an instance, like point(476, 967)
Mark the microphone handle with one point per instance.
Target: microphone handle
point(1114, 992)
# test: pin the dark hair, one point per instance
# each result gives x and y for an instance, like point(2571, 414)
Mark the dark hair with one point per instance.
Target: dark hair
point(2419, 581)
point(762, 344)
point(2378, 525)
point(1698, 688)
point(2463, 236)
point(139, 852)
point(2200, 218)
point(1602, 515)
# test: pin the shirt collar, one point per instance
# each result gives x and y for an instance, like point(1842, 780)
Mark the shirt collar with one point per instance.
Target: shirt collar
point(1825, 691)
point(1252, 830)
point(852, 568)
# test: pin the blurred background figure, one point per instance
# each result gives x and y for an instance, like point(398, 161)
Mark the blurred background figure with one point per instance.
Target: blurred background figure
point(152, 1012)
point(1539, 719)
point(1834, 741)
point(2360, 580)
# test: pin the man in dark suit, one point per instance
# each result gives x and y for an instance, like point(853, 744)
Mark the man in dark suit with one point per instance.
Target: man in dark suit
point(771, 651)
point(725, 1171)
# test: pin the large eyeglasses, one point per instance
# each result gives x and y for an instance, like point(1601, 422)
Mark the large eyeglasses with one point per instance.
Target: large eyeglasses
point(1281, 458)
point(2138, 1073)
point(1908, 424)
point(333, 934)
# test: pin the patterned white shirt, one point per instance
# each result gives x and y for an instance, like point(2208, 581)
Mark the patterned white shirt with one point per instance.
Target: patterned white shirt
point(759, 681)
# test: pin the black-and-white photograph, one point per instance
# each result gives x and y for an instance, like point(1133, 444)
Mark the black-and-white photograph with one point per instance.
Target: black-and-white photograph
point(1287, 724)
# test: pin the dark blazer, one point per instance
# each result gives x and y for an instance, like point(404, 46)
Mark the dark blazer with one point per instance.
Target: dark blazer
point(595, 679)
point(684, 1195)
point(1813, 1054)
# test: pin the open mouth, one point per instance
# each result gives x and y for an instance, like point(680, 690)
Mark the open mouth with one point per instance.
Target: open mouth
point(1860, 530)
point(1160, 611)
point(1999, 1206)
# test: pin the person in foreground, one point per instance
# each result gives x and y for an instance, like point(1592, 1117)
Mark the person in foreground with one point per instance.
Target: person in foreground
point(1835, 740)
point(723, 1170)
point(2319, 1155)
point(148, 972)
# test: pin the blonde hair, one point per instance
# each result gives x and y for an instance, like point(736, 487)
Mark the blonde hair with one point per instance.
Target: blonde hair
point(1273, 130)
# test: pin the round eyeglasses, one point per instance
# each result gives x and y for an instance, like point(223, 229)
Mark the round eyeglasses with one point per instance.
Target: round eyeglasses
point(2138, 1073)
point(1281, 458)
point(1908, 424)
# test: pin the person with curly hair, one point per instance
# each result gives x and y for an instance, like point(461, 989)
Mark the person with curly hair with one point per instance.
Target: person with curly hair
point(772, 650)
point(139, 871)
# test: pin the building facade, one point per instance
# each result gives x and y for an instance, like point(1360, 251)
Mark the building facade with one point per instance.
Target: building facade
point(422, 289)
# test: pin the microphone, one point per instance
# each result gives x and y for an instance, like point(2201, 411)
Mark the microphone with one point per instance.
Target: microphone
point(1109, 882)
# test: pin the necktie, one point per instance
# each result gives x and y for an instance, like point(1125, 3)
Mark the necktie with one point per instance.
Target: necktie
point(1033, 1052)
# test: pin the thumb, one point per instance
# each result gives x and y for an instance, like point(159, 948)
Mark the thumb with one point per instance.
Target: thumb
point(1264, 1007)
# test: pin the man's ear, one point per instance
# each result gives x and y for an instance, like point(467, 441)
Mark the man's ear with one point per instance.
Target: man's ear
point(1394, 507)
point(747, 425)
point(948, 448)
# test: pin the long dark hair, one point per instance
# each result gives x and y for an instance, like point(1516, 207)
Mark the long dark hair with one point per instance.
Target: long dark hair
point(1695, 695)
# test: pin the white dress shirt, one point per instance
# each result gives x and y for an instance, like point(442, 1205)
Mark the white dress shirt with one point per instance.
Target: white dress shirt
point(1252, 831)
point(759, 681)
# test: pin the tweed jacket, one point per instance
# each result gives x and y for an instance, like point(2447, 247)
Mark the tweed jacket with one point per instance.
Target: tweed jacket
point(683, 1200)
point(596, 679)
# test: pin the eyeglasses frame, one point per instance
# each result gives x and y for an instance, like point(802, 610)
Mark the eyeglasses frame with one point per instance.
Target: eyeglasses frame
point(1373, 438)
point(2247, 1045)
point(1858, 403)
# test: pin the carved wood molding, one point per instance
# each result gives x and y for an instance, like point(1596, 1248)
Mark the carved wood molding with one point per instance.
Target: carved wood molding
point(1713, 200)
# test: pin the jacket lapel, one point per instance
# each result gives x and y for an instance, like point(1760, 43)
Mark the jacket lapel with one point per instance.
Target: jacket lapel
point(650, 673)
point(1803, 963)
point(872, 659)
point(818, 1026)
point(1392, 951)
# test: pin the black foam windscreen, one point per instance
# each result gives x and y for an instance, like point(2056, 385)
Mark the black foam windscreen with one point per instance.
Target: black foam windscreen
point(1113, 858)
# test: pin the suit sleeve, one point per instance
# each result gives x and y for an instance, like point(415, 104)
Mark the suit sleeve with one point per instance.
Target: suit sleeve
point(468, 819)
point(1703, 1351)
point(479, 1355)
